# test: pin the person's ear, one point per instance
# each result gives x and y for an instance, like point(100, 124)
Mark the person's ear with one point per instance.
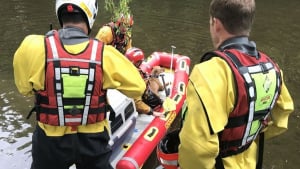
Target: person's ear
point(217, 24)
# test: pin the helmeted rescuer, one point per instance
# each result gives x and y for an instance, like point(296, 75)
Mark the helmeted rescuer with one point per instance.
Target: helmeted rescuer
point(236, 96)
point(135, 55)
point(69, 74)
point(150, 101)
point(117, 33)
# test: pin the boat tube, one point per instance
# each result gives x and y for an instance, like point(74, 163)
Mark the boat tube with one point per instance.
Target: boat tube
point(138, 135)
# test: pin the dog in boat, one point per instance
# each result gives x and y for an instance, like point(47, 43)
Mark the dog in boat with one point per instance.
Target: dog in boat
point(154, 83)
point(154, 86)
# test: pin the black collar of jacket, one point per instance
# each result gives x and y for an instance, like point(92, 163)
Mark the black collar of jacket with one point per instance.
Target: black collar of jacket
point(242, 44)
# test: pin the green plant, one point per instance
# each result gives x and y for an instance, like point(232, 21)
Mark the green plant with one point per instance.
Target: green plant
point(120, 10)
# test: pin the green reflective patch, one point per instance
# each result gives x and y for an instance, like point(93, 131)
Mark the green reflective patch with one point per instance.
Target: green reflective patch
point(74, 86)
point(72, 106)
point(265, 89)
point(254, 127)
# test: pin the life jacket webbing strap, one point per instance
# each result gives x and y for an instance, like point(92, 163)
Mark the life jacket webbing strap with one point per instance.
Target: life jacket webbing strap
point(241, 120)
point(58, 85)
point(232, 143)
point(251, 93)
point(230, 152)
point(219, 163)
point(73, 120)
point(67, 111)
point(260, 151)
point(75, 60)
point(262, 67)
point(69, 101)
point(53, 47)
point(90, 85)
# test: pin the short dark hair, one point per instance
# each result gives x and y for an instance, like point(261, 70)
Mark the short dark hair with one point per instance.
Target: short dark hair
point(236, 15)
point(76, 16)
point(72, 17)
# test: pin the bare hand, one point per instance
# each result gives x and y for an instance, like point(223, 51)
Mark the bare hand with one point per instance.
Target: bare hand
point(158, 114)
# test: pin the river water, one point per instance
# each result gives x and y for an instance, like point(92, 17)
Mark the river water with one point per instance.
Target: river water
point(158, 25)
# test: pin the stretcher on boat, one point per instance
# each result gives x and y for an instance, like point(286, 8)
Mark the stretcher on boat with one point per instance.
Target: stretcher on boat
point(134, 136)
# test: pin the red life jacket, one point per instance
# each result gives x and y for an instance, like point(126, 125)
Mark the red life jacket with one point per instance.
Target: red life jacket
point(73, 92)
point(247, 120)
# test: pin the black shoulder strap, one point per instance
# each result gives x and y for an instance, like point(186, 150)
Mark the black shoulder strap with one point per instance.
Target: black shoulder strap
point(219, 163)
point(260, 151)
point(207, 56)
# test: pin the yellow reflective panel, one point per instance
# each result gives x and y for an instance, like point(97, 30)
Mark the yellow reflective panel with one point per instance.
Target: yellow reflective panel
point(74, 86)
point(254, 127)
point(265, 88)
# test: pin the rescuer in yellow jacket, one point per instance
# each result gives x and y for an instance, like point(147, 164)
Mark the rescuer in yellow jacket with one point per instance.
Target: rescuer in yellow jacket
point(54, 68)
point(117, 33)
point(226, 84)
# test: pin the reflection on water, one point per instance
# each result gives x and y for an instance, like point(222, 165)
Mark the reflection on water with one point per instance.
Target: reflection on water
point(15, 138)
point(158, 25)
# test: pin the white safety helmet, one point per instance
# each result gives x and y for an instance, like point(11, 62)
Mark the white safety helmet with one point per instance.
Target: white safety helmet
point(88, 7)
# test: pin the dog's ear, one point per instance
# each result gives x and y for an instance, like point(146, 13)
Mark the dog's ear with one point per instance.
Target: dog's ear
point(157, 70)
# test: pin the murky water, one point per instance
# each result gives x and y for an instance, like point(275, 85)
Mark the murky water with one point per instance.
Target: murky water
point(158, 25)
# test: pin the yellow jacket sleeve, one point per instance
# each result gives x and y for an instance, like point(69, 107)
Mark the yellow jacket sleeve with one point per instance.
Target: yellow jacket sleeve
point(29, 65)
point(105, 35)
point(119, 73)
point(141, 106)
point(211, 84)
point(280, 113)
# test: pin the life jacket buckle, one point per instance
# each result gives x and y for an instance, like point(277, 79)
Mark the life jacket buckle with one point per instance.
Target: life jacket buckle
point(263, 68)
point(74, 71)
point(74, 111)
